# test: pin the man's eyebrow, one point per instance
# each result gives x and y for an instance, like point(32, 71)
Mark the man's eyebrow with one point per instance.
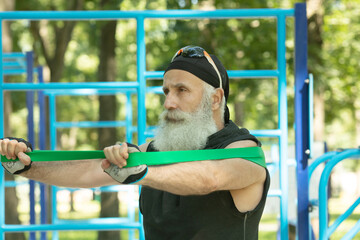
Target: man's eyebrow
point(177, 85)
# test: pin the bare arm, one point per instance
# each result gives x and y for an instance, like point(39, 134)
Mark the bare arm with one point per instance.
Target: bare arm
point(204, 177)
point(81, 173)
point(78, 173)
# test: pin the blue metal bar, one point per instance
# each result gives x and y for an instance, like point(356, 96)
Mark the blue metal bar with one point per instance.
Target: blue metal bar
point(42, 146)
point(54, 213)
point(2, 176)
point(141, 95)
point(231, 73)
point(53, 143)
point(282, 124)
point(90, 124)
point(9, 72)
point(103, 224)
point(84, 92)
point(352, 232)
point(311, 113)
point(12, 65)
point(301, 120)
point(343, 217)
point(178, 14)
point(14, 71)
point(52, 113)
point(318, 161)
point(156, 90)
point(267, 133)
point(13, 55)
point(323, 190)
point(129, 117)
point(90, 85)
point(141, 68)
point(275, 193)
point(258, 133)
point(32, 207)
point(31, 134)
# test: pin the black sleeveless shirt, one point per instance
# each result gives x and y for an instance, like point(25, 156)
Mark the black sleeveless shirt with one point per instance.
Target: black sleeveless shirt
point(201, 217)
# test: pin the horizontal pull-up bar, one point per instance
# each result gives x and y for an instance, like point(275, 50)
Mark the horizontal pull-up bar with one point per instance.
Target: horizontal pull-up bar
point(113, 14)
point(83, 85)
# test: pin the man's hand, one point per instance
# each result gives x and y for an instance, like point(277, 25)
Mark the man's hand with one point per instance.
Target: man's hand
point(14, 148)
point(116, 157)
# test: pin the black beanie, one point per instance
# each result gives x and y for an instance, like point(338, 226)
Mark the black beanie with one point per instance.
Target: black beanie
point(201, 68)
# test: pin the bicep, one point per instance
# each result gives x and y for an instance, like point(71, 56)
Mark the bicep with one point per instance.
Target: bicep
point(239, 173)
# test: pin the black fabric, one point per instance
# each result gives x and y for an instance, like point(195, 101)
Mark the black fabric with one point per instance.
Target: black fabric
point(210, 217)
point(201, 68)
point(134, 146)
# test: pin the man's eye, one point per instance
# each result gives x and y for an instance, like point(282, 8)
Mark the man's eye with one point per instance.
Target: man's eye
point(182, 89)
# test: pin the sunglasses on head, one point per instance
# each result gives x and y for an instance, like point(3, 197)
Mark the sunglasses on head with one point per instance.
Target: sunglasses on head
point(197, 52)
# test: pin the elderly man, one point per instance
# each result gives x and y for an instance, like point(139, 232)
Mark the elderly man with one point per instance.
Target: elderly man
point(213, 199)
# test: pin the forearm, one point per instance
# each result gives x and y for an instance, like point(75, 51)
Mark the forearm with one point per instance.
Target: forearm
point(203, 177)
point(196, 178)
point(81, 173)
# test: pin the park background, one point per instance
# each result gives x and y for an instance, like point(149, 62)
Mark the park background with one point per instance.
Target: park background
point(90, 51)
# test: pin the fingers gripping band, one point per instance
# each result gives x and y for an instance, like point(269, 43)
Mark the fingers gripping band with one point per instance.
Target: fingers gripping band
point(253, 154)
point(28, 144)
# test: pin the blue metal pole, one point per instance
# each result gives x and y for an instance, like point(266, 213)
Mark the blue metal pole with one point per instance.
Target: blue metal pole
point(2, 178)
point(128, 117)
point(302, 120)
point(53, 137)
point(141, 68)
point(42, 146)
point(324, 232)
point(311, 113)
point(282, 125)
point(31, 134)
point(52, 118)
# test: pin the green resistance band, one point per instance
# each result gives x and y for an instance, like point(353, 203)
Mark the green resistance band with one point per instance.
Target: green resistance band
point(253, 154)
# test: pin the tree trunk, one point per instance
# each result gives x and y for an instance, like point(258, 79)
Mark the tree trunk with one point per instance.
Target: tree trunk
point(55, 59)
point(319, 117)
point(107, 136)
point(357, 121)
point(315, 13)
point(11, 199)
point(239, 113)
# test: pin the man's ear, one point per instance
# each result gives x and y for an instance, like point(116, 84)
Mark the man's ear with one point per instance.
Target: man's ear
point(217, 98)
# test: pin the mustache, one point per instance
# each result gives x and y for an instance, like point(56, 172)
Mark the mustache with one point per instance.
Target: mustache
point(175, 115)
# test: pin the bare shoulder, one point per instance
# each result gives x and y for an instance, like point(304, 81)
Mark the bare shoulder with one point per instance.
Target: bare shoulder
point(242, 144)
point(258, 172)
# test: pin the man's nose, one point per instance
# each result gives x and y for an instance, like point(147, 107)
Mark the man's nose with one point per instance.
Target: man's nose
point(170, 102)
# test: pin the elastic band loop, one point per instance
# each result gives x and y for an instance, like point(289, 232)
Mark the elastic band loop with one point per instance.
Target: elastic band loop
point(253, 154)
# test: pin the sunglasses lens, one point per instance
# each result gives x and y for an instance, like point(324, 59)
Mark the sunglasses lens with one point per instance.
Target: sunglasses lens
point(197, 52)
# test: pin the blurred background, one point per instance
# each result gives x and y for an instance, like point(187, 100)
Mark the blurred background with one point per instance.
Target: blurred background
point(92, 51)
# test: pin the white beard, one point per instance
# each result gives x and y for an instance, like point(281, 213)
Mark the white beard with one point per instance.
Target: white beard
point(179, 130)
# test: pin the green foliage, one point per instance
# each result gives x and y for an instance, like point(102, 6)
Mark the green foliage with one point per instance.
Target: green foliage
point(239, 43)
